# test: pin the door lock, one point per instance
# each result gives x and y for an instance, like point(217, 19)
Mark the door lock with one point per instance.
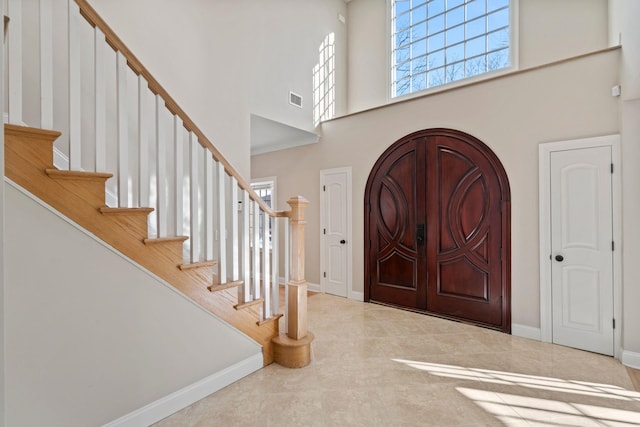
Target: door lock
point(420, 234)
point(342, 242)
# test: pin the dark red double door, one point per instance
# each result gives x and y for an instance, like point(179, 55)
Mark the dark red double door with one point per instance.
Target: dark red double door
point(437, 228)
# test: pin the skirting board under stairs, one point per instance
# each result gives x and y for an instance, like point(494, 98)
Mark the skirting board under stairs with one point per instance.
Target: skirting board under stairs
point(180, 399)
point(524, 331)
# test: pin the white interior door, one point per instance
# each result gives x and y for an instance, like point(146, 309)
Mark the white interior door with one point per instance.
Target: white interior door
point(581, 249)
point(335, 232)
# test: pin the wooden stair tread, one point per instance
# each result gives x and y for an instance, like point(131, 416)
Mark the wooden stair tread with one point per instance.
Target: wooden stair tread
point(66, 174)
point(124, 211)
point(222, 286)
point(158, 240)
point(200, 264)
point(248, 304)
point(270, 319)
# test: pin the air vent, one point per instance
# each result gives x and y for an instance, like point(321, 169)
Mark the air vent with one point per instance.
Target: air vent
point(295, 99)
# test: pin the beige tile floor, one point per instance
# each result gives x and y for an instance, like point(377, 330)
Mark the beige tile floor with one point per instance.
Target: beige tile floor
point(378, 366)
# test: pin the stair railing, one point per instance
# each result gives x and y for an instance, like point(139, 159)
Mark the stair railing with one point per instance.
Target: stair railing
point(68, 71)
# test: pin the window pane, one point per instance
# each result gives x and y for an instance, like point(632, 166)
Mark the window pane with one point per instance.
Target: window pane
point(475, 66)
point(497, 60)
point(498, 39)
point(417, 3)
point(419, 82)
point(497, 4)
point(419, 31)
point(419, 48)
point(436, 7)
point(454, 72)
point(402, 54)
point(435, 42)
point(403, 21)
point(403, 87)
point(475, 8)
point(476, 27)
point(435, 77)
point(435, 25)
point(419, 65)
point(455, 17)
point(498, 19)
point(454, 53)
point(453, 3)
point(455, 35)
point(402, 71)
point(419, 14)
point(401, 6)
point(403, 38)
point(436, 59)
point(475, 47)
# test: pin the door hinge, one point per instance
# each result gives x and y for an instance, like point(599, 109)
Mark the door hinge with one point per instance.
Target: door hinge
point(611, 167)
point(324, 188)
point(614, 323)
point(324, 231)
point(325, 274)
point(369, 244)
point(613, 246)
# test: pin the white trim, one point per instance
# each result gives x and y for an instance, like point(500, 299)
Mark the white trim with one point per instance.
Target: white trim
point(349, 221)
point(630, 359)
point(525, 331)
point(182, 398)
point(273, 180)
point(544, 152)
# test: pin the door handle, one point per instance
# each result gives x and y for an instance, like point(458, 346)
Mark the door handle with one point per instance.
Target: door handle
point(559, 258)
point(420, 234)
point(342, 242)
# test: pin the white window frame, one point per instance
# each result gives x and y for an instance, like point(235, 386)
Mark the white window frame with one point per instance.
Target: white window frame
point(513, 52)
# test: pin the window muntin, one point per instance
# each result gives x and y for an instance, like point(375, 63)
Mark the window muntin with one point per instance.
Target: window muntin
point(434, 42)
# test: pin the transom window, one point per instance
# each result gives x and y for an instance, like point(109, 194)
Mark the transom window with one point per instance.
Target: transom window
point(434, 42)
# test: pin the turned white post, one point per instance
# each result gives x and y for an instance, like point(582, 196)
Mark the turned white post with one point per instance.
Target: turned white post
point(297, 301)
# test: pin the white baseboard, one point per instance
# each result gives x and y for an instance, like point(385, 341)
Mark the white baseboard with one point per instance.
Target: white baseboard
point(357, 296)
point(313, 287)
point(526, 332)
point(630, 359)
point(174, 402)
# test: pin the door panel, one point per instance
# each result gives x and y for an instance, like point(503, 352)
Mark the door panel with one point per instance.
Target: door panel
point(435, 228)
point(582, 264)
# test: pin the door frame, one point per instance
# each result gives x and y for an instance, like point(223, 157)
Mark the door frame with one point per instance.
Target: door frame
point(544, 163)
point(323, 173)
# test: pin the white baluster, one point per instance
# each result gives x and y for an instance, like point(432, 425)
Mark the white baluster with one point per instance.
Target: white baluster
point(222, 222)
point(194, 181)
point(161, 170)
point(144, 174)
point(46, 64)
point(100, 105)
point(75, 153)
point(256, 250)
point(178, 156)
point(266, 276)
point(235, 240)
point(123, 130)
point(246, 246)
point(14, 48)
point(209, 211)
point(287, 266)
point(275, 285)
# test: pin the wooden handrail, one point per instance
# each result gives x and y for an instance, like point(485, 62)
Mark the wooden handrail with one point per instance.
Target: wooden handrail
point(92, 17)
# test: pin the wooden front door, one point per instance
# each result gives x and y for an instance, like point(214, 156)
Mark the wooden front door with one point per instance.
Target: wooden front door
point(437, 228)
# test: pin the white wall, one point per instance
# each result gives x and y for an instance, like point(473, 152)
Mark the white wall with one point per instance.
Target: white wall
point(624, 28)
point(90, 336)
point(512, 115)
point(223, 60)
point(549, 30)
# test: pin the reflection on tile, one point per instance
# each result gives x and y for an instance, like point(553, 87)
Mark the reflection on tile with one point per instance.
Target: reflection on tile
point(379, 366)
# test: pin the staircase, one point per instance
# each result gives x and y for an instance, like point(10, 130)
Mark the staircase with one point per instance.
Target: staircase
point(146, 180)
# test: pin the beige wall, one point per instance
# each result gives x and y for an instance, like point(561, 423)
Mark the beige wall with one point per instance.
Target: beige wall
point(224, 60)
point(549, 30)
point(90, 336)
point(512, 115)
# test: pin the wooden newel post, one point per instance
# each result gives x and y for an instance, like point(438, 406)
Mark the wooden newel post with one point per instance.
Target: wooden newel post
point(293, 350)
point(297, 303)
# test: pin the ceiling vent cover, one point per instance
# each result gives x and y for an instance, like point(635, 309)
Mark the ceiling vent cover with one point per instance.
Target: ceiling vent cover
point(295, 99)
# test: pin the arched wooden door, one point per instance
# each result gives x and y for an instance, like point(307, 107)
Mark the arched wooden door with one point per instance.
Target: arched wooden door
point(437, 229)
